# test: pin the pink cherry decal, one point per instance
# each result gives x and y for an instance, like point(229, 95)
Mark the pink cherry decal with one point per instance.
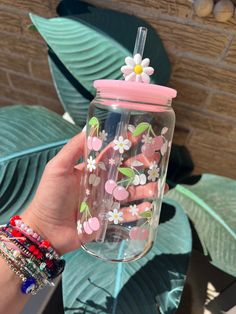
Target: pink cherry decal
point(120, 193)
point(148, 150)
point(87, 228)
point(143, 234)
point(96, 143)
point(89, 143)
point(94, 223)
point(110, 186)
point(157, 142)
point(133, 234)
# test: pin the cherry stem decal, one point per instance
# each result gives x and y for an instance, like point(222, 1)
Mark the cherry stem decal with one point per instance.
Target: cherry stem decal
point(89, 225)
point(119, 192)
point(129, 173)
point(94, 123)
point(140, 232)
point(143, 126)
point(93, 142)
point(156, 142)
point(84, 208)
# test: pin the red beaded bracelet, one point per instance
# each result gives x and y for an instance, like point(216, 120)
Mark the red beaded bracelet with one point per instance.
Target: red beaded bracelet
point(32, 249)
point(20, 226)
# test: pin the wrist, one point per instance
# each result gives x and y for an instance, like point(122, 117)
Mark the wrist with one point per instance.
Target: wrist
point(28, 253)
point(40, 227)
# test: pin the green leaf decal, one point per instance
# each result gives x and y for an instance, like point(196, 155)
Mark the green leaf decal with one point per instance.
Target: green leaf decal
point(83, 207)
point(93, 121)
point(140, 128)
point(147, 214)
point(128, 172)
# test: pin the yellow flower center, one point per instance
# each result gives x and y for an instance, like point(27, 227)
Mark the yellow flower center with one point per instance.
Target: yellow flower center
point(138, 69)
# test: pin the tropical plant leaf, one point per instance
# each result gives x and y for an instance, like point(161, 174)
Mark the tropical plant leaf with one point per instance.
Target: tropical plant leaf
point(86, 56)
point(128, 172)
point(29, 138)
point(87, 53)
point(140, 128)
point(70, 93)
point(210, 204)
point(141, 287)
point(115, 24)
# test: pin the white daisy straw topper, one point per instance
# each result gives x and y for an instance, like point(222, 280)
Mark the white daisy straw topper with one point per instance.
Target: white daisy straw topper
point(137, 69)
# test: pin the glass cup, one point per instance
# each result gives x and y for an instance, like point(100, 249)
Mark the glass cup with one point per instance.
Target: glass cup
point(128, 140)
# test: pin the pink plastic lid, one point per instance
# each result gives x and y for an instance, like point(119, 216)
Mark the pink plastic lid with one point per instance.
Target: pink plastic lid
point(135, 91)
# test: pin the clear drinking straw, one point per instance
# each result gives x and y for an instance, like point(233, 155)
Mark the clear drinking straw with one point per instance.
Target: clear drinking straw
point(122, 131)
point(140, 41)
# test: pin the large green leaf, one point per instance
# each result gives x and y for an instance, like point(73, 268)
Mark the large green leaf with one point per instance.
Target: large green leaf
point(29, 138)
point(69, 93)
point(74, 98)
point(115, 24)
point(87, 53)
point(155, 281)
point(211, 205)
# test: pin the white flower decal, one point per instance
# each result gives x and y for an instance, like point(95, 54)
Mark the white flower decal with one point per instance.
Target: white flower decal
point(146, 139)
point(87, 192)
point(103, 135)
point(153, 172)
point(91, 164)
point(121, 144)
point(115, 216)
point(137, 69)
point(79, 227)
point(134, 210)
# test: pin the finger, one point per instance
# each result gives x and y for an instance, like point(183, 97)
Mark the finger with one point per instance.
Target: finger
point(129, 216)
point(146, 161)
point(148, 190)
point(71, 152)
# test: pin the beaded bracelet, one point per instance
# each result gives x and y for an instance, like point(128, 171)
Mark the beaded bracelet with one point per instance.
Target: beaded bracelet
point(34, 280)
point(28, 285)
point(19, 225)
point(53, 267)
point(25, 262)
point(29, 256)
